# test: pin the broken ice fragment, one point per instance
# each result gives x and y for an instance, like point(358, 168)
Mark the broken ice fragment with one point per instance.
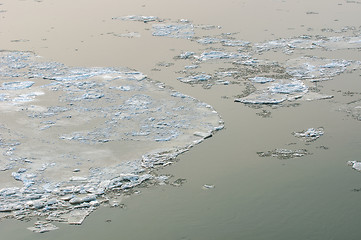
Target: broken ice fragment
point(355, 165)
point(79, 200)
point(195, 79)
point(186, 55)
point(262, 98)
point(138, 18)
point(310, 134)
point(42, 227)
point(208, 186)
point(77, 217)
point(173, 30)
point(284, 153)
point(144, 114)
point(288, 87)
point(313, 67)
point(16, 85)
point(261, 80)
point(216, 55)
point(223, 41)
point(203, 135)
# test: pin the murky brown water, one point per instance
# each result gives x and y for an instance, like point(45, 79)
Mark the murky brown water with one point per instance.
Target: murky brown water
point(310, 197)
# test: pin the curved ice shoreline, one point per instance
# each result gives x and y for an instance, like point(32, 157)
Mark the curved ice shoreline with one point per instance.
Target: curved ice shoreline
point(63, 135)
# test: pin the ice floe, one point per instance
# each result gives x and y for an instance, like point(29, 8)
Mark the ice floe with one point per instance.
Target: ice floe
point(138, 18)
point(318, 68)
point(224, 42)
point(284, 153)
point(216, 55)
point(175, 30)
point(355, 165)
point(195, 78)
point(310, 134)
point(113, 125)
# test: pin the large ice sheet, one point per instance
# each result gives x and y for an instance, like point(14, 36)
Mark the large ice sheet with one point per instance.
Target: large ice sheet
point(90, 131)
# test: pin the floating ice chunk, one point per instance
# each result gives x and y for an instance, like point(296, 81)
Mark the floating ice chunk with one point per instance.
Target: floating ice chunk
point(173, 30)
point(178, 94)
point(301, 43)
point(186, 55)
point(215, 55)
point(310, 134)
point(9, 191)
point(203, 135)
point(208, 186)
point(261, 80)
point(355, 165)
point(295, 86)
point(138, 18)
point(312, 96)
point(92, 95)
point(196, 78)
point(128, 35)
point(42, 227)
point(27, 179)
point(313, 67)
point(270, 45)
point(16, 85)
point(284, 153)
point(27, 97)
point(262, 98)
point(79, 200)
point(141, 116)
point(223, 41)
point(339, 43)
point(77, 217)
point(209, 40)
point(73, 74)
point(191, 67)
point(78, 179)
point(286, 45)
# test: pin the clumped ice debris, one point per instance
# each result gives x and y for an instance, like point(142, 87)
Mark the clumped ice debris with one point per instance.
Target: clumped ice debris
point(94, 132)
point(262, 98)
point(42, 227)
point(195, 78)
point(355, 165)
point(224, 42)
point(294, 86)
point(176, 30)
point(315, 68)
point(16, 85)
point(277, 92)
point(216, 55)
point(137, 18)
point(284, 153)
point(310, 134)
point(261, 80)
point(305, 42)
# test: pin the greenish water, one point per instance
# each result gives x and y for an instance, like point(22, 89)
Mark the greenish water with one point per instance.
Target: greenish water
point(311, 197)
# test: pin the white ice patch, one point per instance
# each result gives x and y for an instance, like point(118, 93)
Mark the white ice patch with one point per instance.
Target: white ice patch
point(173, 30)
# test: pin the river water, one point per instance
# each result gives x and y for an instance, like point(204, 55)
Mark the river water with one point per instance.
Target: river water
point(315, 196)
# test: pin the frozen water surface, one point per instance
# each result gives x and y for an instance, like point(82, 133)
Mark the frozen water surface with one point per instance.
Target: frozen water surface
point(112, 125)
